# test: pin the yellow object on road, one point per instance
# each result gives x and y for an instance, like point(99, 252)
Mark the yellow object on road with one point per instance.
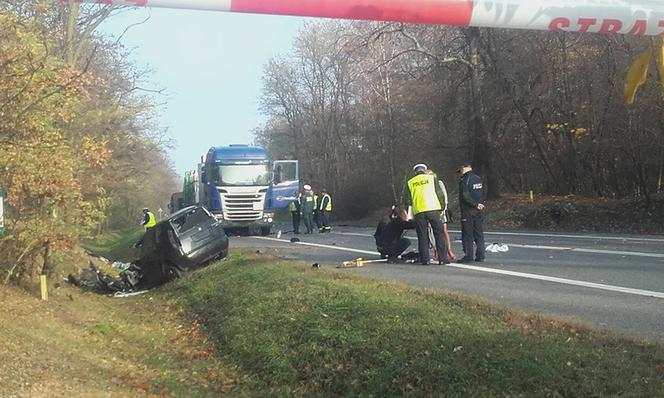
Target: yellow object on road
point(360, 262)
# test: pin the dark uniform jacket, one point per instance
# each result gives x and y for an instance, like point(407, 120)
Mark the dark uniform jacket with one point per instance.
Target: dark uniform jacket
point(390, 230)
point(471, 192)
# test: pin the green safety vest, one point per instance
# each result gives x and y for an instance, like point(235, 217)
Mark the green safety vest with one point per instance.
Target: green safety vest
point(423, 193)
point(151, 222)
point(329, 202)
point(293, 206)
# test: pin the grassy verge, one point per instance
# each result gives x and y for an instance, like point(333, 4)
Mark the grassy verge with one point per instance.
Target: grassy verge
point(87, 345)
point(116, 245)
point(257, 326)
point(311, 332)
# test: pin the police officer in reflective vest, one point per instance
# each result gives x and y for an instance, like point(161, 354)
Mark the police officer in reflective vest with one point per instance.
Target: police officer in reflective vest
point(471, 202)
point(324, 210)
point(149, 220)
point(317, 215)
point(423, 194)
point(295, 208)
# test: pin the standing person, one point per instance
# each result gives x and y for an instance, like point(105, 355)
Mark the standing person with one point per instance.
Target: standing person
point(445, 218)
point(390, 241)
point(471, 202)
point(295, 208)
point(149, 220)
point(307, 205)
point(324, 211)
point(423, 194)
point(317, 215)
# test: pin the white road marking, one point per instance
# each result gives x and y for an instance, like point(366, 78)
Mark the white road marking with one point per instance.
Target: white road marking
point(648, 293)
point(346, 249)
point(565, 281)
point(597, 251)
point(545, 236)
point(570, 236)
point(563, 248)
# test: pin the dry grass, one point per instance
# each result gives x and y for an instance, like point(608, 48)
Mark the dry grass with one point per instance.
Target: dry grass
point(86, 345)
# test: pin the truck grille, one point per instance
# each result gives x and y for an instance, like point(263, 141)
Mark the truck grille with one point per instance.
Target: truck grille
point(242, 206)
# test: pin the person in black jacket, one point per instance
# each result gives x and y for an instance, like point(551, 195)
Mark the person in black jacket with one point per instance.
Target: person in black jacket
point(390, 241)
point(471, 202)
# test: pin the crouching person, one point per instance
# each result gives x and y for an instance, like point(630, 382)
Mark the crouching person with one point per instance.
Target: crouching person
point(390, 241)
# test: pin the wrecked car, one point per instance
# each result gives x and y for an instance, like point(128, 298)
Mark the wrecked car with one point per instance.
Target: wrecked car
point(189, 238)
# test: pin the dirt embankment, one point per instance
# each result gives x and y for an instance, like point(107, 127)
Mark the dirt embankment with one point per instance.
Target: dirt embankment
point(573, 213)
point(559, 213)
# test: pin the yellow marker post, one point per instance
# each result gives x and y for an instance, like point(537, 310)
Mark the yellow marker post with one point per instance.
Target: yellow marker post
point(532, 197)
point(44, 287)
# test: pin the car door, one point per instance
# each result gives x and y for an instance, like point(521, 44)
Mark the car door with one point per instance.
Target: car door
point(285, 183)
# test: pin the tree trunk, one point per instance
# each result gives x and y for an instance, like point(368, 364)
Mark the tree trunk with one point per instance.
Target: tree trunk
point(483, 157)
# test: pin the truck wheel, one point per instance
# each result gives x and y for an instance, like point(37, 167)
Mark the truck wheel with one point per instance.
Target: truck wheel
point(265, 231)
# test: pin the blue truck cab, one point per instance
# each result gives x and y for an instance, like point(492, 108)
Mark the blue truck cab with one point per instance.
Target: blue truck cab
point(242, 187)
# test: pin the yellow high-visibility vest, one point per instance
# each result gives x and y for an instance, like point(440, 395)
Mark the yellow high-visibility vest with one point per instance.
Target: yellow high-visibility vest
point(151, 222)
point(328, 207)
point(423, 193)
point(292, 206)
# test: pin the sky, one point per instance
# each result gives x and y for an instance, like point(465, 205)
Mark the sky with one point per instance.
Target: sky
point(210, 65)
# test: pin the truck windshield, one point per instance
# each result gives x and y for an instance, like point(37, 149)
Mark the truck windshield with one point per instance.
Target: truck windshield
point(244, 174)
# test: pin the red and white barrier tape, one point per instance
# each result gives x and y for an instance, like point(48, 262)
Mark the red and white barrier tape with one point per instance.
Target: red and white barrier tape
point(637, 17)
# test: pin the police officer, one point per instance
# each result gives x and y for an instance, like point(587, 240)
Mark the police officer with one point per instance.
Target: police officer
point(295, 208)
point(324, 210)
point(149, 220)
point(424, 195)
point(317, 214)
point(471, 202)
point(307, 204)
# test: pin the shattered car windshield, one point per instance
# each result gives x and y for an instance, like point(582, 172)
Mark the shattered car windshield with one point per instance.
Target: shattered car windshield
point(190, 220)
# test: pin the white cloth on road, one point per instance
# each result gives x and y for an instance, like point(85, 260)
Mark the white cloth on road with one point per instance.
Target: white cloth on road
point(497, 248)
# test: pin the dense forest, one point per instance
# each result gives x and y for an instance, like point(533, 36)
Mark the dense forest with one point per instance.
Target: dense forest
point(79, 148)
point(359, 103)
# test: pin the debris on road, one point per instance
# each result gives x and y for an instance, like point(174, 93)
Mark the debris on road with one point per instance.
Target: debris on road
point(119, 265)
point(128, 294)
point(497, 248)
point(96, 280)
point(360, 262)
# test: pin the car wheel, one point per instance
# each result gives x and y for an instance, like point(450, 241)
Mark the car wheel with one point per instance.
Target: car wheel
point(173, 272)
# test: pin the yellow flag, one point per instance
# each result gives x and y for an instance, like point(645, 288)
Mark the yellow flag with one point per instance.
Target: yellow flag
point(636, 75)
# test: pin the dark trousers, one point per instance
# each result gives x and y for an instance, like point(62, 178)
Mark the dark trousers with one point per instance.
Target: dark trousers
point(325, 218)
point(472, 231)
point(422, 220)
point(317, 218)
point(308, 218)
point(393, 249)
point(296, 221)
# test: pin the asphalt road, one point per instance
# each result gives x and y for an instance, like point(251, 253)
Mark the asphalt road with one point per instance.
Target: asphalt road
point(606, 281)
